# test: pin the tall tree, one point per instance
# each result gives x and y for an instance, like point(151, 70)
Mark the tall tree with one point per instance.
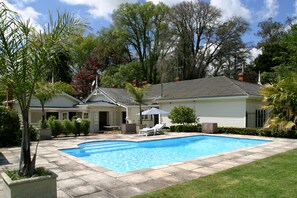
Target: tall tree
point(81, 49)
point(83, 80)
point(201, 35)
point(24, 54)
point(118, 76)
point(272, 46)
point(144, 25)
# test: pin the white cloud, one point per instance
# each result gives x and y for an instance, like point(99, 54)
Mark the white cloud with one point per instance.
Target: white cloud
point(232, 8)
point(25, 12)
point(270, 9)
point(99, 8)
point(168, 2)
point(255, 53)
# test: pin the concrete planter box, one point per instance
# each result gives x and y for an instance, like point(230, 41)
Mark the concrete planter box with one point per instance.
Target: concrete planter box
point(209, 127)
point(44, 186)
point(45, 134)
point(128, 128)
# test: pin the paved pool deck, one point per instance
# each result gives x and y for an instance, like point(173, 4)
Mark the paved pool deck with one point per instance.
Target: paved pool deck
point(77, 178)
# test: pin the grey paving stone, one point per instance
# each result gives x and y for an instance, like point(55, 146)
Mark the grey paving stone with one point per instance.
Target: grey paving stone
point(62, 194)
point(102, 194)
point(78, 178)
point(155, 174)
point(70, 183)
point(126, 192)
point(83, 190)
point(134, 179)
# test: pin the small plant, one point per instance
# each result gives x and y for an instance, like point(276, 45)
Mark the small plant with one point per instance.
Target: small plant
point(85, 126)
point(55, 125)
point(68, 127)
point(15, 174)
point(34, 133)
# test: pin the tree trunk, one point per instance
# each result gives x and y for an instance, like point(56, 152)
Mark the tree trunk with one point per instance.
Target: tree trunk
point(43, 125)
point(140, 113)
point(25, 161)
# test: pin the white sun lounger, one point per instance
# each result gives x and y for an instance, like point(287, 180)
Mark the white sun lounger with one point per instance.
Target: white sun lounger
point(153, 130)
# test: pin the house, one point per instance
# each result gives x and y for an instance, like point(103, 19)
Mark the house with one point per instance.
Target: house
point(221, 100)
point(217, 99)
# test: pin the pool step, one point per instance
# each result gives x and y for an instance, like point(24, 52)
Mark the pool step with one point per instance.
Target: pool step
point(104, 146)
point(100, 144)
point(107, 149)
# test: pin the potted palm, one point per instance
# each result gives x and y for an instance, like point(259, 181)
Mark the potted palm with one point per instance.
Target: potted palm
point(25, 53)
point(44, 92)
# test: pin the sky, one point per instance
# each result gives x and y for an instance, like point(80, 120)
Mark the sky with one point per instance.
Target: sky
point(98, 12)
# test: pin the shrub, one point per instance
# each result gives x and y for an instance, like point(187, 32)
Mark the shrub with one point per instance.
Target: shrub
point(34, 133)
point(259, 132)
point(55, 125)
point(182, 115)
point(10, 134)
point(186, 128)
point(85, 126)
point(45, 124)
point(76, 126)
point(68, 127)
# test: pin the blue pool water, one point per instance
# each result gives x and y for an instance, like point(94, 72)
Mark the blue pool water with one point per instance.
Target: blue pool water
point(125, 156)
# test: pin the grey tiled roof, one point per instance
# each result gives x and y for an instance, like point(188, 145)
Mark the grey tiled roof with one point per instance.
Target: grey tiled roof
point(203, 88)
point(197, 88)
point(120, 96)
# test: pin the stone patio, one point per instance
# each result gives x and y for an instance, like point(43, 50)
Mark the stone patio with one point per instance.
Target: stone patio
point(77, 178)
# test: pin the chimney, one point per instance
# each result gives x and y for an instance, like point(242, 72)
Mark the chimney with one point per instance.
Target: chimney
point(177, 78)
point(144, 82)
point(242, 77)
point(135, 83)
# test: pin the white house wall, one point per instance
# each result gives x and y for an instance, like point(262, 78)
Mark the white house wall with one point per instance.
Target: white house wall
point(225, 112)
point(114, 116)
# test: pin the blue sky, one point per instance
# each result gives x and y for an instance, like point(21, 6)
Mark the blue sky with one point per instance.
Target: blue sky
point(98, 12)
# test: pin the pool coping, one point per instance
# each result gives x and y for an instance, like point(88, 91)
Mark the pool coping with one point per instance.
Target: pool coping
point(79, 178)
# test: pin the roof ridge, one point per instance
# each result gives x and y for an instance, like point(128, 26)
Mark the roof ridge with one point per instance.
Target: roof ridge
point(242, 90)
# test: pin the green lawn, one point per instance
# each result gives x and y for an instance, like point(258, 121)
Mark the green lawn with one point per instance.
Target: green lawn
point(275, 176)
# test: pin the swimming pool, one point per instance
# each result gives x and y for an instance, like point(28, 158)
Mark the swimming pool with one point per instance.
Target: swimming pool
point(125, 156)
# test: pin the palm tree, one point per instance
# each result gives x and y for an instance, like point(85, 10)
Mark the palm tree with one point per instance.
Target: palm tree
point(138, 94)
point(24, 54)
point(281, 97)
point(45, 91)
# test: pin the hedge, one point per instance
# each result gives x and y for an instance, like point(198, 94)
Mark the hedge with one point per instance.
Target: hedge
point(258, 132)
point(186, 128)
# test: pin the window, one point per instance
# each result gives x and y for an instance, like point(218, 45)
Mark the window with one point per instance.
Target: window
point(49, 114)
point(76, 114)
point(146, 117)
point(64, 115)
point(86, 115)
